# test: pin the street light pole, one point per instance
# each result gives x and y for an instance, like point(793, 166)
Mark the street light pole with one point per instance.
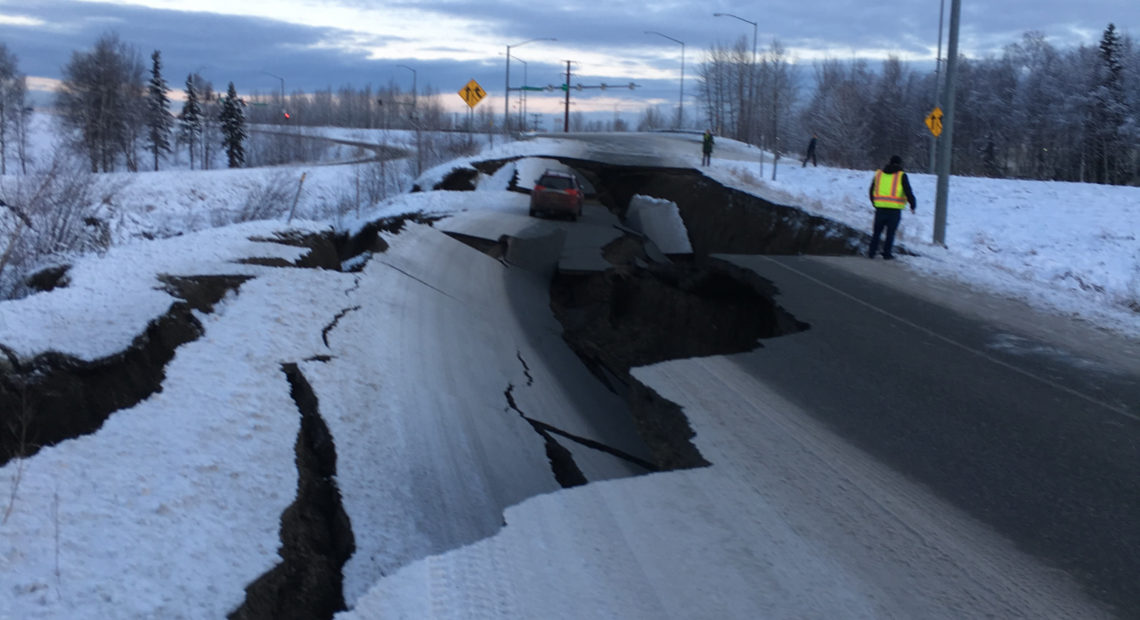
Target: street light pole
point(681, 105)
point(282, 88)
point(413, 87)
point(507, 83)
point(751, 74)
point(937, 94)
point(522, 95)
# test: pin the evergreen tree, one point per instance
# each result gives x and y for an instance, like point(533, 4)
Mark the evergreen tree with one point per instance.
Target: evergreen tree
point(233, 127)
point(190, 120)
point(159, 122)
point(1109, 110)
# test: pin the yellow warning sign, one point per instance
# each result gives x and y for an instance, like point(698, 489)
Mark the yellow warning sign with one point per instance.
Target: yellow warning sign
point(473, 93)
point(934, 121)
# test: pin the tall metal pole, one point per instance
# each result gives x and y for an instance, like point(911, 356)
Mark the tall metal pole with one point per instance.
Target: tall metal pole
point(937, 93)
point(522, 96)
point(413, 88)
point(752, 90)
point(681, 106)
point(566, 118)
point(751, 77)
point(507, 83)
point(507, 96)
point(947, 139)
point(282, 88)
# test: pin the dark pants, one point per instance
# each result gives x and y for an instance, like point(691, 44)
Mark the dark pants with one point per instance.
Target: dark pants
point(706, 158)
point(889, 219)
point(810, 155)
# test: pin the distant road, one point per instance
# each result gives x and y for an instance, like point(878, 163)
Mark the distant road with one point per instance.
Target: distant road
point(381, 152)
point(665, 149)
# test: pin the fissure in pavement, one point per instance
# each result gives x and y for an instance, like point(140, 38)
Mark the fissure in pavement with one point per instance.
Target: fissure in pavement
point(562, 465)
point(641, 312)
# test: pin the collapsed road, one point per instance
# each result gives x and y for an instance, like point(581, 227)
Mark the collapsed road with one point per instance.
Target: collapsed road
point(576, 309)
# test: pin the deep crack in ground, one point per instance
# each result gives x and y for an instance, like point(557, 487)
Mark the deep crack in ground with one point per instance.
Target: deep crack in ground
point(316, 535)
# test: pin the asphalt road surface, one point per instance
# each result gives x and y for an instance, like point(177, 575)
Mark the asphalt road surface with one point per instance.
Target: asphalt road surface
point(1037, 437)
point(1027, 423)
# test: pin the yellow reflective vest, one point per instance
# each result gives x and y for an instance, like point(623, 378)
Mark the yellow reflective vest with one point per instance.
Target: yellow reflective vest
point(889, 192)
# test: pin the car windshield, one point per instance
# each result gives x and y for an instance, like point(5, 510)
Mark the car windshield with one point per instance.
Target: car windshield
point(553, 182)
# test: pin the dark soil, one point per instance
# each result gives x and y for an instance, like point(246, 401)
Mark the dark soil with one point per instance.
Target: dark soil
point(55, 397)
point(316, 535)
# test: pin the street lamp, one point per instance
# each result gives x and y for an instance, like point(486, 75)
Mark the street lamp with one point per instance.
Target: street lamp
point(507, 86)
point(681, 106)
point(282, 91)
point(413, 87)
point(522, 95)
point(751, 74)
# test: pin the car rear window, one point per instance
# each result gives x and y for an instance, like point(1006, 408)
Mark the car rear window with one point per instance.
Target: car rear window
point(556, 182)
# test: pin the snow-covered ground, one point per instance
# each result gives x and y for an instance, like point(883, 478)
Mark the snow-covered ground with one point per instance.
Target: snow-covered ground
point(1069, 248)
point(173, 506)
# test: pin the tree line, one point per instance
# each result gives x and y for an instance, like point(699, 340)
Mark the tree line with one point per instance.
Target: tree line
point(112, 112)
point(1034, 112)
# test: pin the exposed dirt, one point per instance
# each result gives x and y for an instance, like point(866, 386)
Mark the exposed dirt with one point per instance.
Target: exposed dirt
point(720, 219)
point(368, 239)
point(316, 535)
point(462, 179)
point(323, 251)
point(640, 313)
point(49, 278)
point(54, 397)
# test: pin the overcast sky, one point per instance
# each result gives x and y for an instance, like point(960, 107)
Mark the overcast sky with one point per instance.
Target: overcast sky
point(314, 44)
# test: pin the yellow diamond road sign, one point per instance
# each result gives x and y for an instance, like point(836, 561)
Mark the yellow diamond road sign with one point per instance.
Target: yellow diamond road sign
point(934, 121)
point(473, 93)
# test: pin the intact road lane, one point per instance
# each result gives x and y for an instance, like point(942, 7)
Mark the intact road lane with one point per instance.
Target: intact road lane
point(1040, 441)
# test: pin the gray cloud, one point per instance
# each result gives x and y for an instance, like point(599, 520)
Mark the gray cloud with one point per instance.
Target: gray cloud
point(242, 49)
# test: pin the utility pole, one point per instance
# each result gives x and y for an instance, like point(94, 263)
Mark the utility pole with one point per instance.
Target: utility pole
point(522, 96)
point(937, 71)
point(507, 83)
point(947, 140)
point(284, 112)
point(413, 87)
point(681, 102)
point(566, 119)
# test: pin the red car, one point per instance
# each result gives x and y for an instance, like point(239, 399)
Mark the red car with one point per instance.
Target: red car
point(558, 193)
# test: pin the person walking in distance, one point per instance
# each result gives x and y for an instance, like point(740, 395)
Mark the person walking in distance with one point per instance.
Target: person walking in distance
point(706, 148)
point(890, 192)
point(810, 153)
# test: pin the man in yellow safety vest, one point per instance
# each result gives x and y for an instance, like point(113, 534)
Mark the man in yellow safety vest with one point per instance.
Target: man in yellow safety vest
point(890, 193)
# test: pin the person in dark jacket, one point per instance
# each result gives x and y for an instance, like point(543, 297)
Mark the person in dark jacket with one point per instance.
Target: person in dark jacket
point(890, 193)
point(810, 153)
point(706, 148)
